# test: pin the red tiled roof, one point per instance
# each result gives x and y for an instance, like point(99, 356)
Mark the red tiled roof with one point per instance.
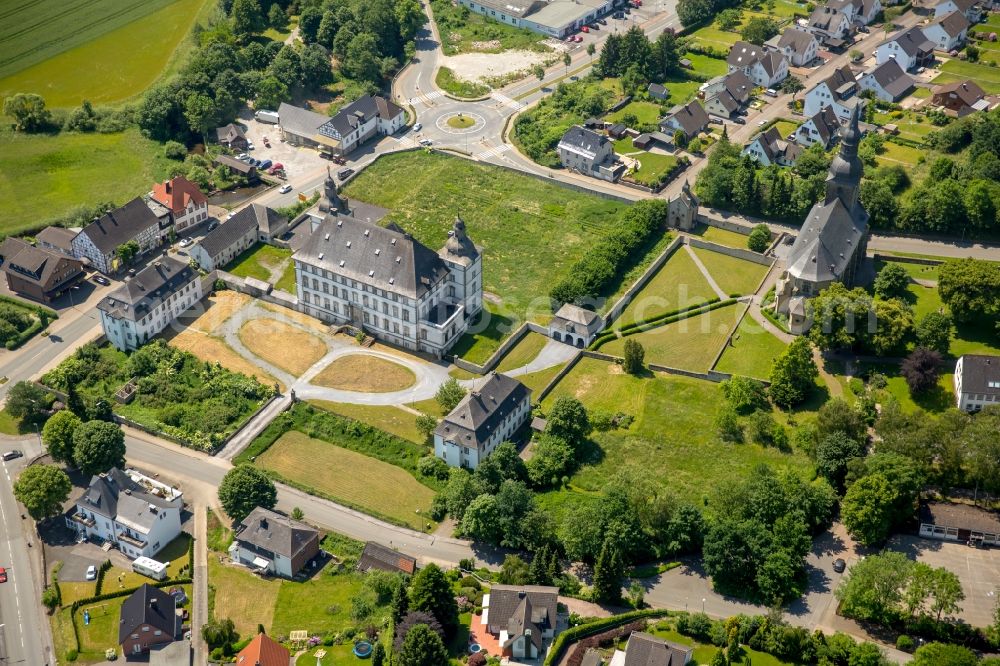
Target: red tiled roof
point(177, 193)
point(263, 651)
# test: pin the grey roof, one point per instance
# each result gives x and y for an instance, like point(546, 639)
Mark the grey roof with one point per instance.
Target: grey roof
point(230, 231)
point(978, 372)
point(961, 516)
point(274, 532)
point(377, 556)
point(738, 85)
point(963, 5)
point(646, 650)
point(482, 411)
point(297, 120)
point(796, 40)
point(891, 78)
point(726, 99)
point(120, 225)
point(657, 90)
point(151, 286)
point(459, 248)
point(839, 79)
point(776, 147)
point(507, 600)
point(744, 54)
point(148, 605)
point(912, 41)
point(841, 5)
point(952, 23)
point(105, 492)
point(526, 621)
point(826, 124)
point(358, 112)
point(967, 91)
point(59, 237)
point(384, 257)
point(824, 17)
point(576, 315)
point(591, 658)
point(177, 653)
point(46, 268)
point(229, 133)
point(235, 164)
point(518, 8)
point(691, 117)
point(585, 140)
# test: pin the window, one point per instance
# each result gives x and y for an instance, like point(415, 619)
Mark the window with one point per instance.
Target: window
point(145, 627)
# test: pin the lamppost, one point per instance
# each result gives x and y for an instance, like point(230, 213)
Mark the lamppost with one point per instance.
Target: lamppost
point(702, 604)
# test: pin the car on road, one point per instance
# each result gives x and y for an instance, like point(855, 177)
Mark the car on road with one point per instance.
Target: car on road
point(100, 279)
point(187, 242)
point(266, 164)
point(344, 174)
point(761, 123)
point(3, 575)
point(285, 189)
point(425, 142)
point(739, 121)
point(839, 565)
point(91, 572)
point(13, 453)
point(417, 127)
point(618, 15)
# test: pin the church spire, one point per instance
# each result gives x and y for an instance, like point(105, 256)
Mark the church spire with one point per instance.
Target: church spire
point(844, 179)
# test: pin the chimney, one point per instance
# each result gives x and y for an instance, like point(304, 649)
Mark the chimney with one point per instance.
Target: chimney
point(152, 603)
point(263, 523)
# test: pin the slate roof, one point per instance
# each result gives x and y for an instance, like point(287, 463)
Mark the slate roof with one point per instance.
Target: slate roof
point(377, 556)
point(826, 124)
point(263, 651)
point(744, 54)
point(967, 91)
point(776, 147)
point(726, 99)
point(952, 23)
point(384, 257)
point(481, 411)
point(37, 265)
point(646, 650)
point(114, 494)
point(59, 237)
point(357, 113)
point(229, 133)
point(657, 90)
point(738, 85)
point(838, 79)
point(912, 41)
point(824, 17)
point(507, 600)
point(120, 225)
point(826, 243)
point(230, 231)
point(274, 532)
point(796, 40)
point(891, 78)
point(978, 372)
point(177, 193)
point(148, 605)
point(459, 248)
point(302, 122)
point(576, 315)
point(963, 5)
point(151, 286)
point(962, 516)
point(583, 141)
point(691, 117)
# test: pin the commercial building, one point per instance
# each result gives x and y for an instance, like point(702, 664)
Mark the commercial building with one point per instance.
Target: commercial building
point(350, 127)
point(38, 273)
point(959, 522)
point(556, 18)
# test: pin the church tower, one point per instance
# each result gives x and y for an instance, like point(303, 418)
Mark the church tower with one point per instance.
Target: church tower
point(331, 201)
point(844, 180)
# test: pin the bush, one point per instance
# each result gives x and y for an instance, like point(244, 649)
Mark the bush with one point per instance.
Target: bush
point(573, 634)
point(174, 150)
point(904, 643)
point(759, 238)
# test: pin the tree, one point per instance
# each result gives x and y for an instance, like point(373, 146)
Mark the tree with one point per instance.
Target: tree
point(729, 19)
point(608, 573)
point(98, 446)
point(378, 654)
point(591, 50)
point(57, 435)
point(793, 374)
point(271, 92)
point(867, 654)
point(568, 420)
point(891, 281)
point(920, 369)
point(127, 251)
point(42, 489)
point(199, 111)
point(837, 416)
point(694, 11)
point(309, 22)
point(727, 424)
point(759, 238)
point(28, 111)
point(567, 60)
point(759, 29)
point(400, 604)
point(634, 355)
point(833, 453)
point(297, 514)
point(431, 592)
point(514, 571)
point(422, 647)
point(539, 72)
point(970, 288)
point(934, 331)
point(868, 509)
point(873, 588)
point(277, 19)
point(220, 633)
point(243, 489)
point(314, 61)
point(449, 394)
point(480, 521)
point(426, 424)
point(27, 401)
point(792, 85)
point(944, 654)
point(744, 394)
point(248, 18)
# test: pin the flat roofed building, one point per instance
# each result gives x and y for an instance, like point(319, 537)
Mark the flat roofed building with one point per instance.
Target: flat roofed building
point(383, 558)
point(964, 523)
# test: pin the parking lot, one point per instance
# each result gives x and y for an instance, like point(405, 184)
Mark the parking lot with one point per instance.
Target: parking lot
point(297, 161)
point(977, 568)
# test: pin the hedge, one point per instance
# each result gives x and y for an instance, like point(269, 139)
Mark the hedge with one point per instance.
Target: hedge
point(612, 334)
point(44, 314)
point(574, 634)
point(105, 565)
point(37, 309)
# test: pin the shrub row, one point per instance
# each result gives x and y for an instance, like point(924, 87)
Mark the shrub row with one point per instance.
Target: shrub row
point(605, 638)
point(611, 334)
point(124, 593)
point(574, 634)
point(105, 566)
point(37, 309)
point(607, 259)
point(774, 320)
point(902, 141)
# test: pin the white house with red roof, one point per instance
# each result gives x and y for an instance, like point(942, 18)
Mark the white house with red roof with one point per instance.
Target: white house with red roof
point(186, 204)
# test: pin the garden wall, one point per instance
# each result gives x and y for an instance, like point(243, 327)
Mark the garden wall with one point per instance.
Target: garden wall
point(725, 224)
point(562, 373)
point(907, 260)
point(501, 351)
point(738, 253)
point(619, 307)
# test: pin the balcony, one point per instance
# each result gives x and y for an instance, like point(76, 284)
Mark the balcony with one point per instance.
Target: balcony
point(83, 519)
point(442, 314)
point(131, 540)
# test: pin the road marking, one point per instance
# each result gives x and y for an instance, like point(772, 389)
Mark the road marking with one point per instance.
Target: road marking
point(493, 152)
point(507, 101)
point(426, 97)
point(407, 142)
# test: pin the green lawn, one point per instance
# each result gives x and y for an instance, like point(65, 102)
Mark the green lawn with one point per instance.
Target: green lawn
point(752, 351)
point(786, 127)
point(895, 154)
point(531, 232)
point(986, 76)
point(523, 352)
point(646, 113)
point(704, 653)
point(66, 171)
point(463, 31)
point(677, 284)
point(653, 167)
point(536, 381)
point(671, 439)
point(349, 477)
point(703, 64)
point(261, 261)
point(105, 51)
point(711, 36)
point(689, 344)
point(734, 276)
point(10, 425)
point(721, 236)
point(486, 334)
point(389, 418)
point(682, 91)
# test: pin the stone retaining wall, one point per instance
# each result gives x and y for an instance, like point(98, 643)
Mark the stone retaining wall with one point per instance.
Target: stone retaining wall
point(907, 260)
point(747, 255)
point(619, 307)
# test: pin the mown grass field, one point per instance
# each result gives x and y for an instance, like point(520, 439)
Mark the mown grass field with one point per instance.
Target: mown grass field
point(732, 274)
point(752, 351)
point(652, 167)
point(957, 70)
point(677, 284)
point(645, 113)
point(343, 475)
point(531, 232)
point(284, 346)
point(44, 177)
point(895, 154)
point(104, 50)
point(671, 438)
point(689, 344)
point(707, 65)
point(524, 352)
point(262, 262)
point(369, 374)
point(721, 236)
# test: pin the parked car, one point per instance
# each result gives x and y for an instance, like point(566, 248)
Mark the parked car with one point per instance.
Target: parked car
point(339, 159)
point(602, 21)
point(585, 29)
point(577, 38)
point(250, 146)
point(212, 225)
point(325, 155)
point(285, 189)
point(425, 142)
point(761, 123)
point(863, 28)
point(13, 453)
point(3, 575)
point(417, 127)
point(595, 26)
point(839, 565)
point(771, 92)
point(266, 164)
point(570, 39)
point(100, 279)
point(242, 156)
point(627, 11)
point(91, 572)
point(618, 15)
point(344, 174)
point(187, 242)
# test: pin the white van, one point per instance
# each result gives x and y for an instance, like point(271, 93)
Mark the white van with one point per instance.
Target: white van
point(150, 567)
point(267, 117)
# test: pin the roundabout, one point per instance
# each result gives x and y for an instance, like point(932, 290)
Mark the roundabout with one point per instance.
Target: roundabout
point(461, 123)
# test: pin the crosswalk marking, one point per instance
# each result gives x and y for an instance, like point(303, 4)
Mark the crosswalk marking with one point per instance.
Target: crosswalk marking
point(426, 97)
point(507, 101)
point(493, 152)
point(407, 142)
